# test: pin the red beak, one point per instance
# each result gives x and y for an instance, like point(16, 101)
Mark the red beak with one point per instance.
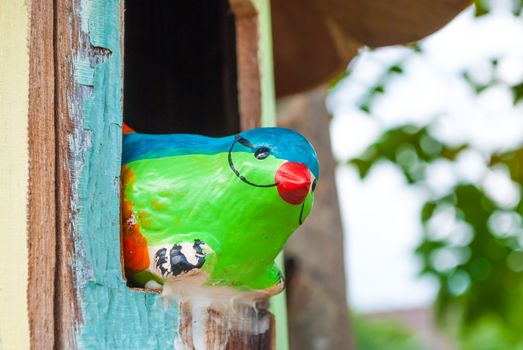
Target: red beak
point(294, 182)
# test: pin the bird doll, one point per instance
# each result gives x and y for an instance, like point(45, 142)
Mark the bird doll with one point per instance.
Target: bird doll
point(221, 208)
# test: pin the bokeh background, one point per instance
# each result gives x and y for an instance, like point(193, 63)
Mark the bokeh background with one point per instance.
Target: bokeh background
point(428, 140)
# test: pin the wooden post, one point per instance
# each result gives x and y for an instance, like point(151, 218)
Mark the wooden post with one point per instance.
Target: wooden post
point(208, 324)
point(42, 191)
point(247, 51)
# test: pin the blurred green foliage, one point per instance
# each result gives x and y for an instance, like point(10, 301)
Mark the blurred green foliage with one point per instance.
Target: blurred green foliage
point(374, 334)
point(410, 147)
point(479, 266)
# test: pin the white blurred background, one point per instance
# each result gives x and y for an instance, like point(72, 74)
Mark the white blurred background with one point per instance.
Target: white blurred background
point(381, 213)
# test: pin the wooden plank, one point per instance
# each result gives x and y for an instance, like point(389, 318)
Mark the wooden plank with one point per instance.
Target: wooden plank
point(231, 325)
point(249, 85)
point(41, 206)
point(258, 317)
point(66, 301)
point(97, 309)
point(14, 157)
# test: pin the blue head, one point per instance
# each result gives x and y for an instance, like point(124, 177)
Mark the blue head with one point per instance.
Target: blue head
point(284, 144)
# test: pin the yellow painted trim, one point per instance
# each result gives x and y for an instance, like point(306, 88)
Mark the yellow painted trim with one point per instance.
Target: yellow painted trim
point(14, 160)
point(268, 96)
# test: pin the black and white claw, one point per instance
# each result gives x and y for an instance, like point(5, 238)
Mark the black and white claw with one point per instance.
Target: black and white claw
point(180, 258)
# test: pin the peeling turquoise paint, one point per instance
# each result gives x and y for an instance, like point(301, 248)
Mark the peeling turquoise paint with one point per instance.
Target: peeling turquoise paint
point(117, 318)
point(112, 316)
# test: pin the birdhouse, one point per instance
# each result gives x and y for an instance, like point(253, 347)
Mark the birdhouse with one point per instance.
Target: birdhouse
point(172, 67)
point(71, 73)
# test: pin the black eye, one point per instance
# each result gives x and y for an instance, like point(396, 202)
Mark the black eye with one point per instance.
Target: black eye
point(314, 183)
point(262, 153)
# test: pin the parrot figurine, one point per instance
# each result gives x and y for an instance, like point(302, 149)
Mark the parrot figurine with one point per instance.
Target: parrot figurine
point(221, 208)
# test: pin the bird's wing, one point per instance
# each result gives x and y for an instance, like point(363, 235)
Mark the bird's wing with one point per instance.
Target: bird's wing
point(180, 259)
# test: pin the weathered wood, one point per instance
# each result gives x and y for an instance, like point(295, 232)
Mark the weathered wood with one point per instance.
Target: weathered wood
point(256, 318)
point(318, 311)
point(66, 43)
point(41, 206)
point(247, 51)
point(226, 325)
point(96, 308)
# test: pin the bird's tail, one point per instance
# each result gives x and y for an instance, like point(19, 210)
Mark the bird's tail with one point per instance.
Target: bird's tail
point(127, 130)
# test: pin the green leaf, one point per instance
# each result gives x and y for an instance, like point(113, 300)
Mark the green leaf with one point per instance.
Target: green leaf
point(397, 69)
point(480, 8)
point(451, 153)
point(378, 89)
point(409, 146)
point(517, 90)
point(428, 210)
point(362, 165)
point(365, 107)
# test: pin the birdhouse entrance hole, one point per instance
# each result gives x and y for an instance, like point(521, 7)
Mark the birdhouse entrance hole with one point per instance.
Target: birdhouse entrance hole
point(180, 71)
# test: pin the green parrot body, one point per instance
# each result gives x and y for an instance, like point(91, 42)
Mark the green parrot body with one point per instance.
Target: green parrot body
point(223, 206)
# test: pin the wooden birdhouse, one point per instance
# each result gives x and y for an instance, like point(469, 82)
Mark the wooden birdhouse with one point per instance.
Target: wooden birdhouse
point(71, 71)
point(171, 67)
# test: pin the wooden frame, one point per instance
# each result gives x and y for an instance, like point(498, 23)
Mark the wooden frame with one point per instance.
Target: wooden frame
point(76, 295)
point(42, 191)
point(248, 63)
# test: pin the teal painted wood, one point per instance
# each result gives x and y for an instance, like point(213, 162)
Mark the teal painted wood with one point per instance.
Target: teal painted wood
point(111, 315)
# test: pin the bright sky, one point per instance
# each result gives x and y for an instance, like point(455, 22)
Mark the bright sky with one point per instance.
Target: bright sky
point(380, 215)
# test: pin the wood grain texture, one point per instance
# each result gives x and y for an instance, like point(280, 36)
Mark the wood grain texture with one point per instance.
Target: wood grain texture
point(318, 311)
point(66, 41)
point(263, 339)
point(249, 84)
point(211, 324)
point(41, 206)
point(96, 310)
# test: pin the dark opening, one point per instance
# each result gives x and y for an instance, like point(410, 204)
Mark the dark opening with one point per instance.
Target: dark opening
point(180, 67)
